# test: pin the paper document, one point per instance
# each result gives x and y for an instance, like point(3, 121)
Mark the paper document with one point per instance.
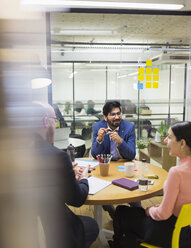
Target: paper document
point(97, 184)
point(84, 163)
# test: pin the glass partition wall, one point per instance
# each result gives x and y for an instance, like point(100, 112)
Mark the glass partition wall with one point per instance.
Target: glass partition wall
point(84, 70)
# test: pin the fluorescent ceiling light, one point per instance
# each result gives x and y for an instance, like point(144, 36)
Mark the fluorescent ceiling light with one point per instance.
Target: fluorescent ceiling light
point(83, 32)
point(100, 4)
point(116, 64)
point(121, 76)
point(108, 46)
point(133, 73)
point(96, 51)
point(38, 83)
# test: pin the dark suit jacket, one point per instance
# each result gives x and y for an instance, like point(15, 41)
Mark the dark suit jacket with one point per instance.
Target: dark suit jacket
point(50, 184)
point(126, 132)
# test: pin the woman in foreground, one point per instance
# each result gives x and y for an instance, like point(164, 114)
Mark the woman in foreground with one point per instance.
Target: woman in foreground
point(155, 224)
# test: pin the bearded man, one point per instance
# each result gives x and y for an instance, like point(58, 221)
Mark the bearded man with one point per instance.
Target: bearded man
point(113, 135)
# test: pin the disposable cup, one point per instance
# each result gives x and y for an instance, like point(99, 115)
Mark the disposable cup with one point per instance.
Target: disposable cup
point(104, 169)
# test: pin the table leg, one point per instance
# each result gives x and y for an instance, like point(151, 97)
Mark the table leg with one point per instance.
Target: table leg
point(98, 218)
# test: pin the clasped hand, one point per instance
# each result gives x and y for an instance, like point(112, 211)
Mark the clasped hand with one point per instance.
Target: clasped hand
point(80, 172)
point(113, 135)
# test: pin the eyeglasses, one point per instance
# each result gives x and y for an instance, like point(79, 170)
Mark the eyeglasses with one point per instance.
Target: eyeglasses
point(55, 119)
point(115, 114)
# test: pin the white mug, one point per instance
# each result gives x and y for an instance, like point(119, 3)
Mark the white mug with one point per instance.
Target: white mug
point(129, 169)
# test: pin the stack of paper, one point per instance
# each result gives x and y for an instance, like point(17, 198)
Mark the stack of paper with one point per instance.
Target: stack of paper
point(97, 184)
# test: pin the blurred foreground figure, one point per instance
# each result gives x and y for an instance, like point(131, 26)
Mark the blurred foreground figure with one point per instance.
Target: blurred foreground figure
point(56, 186)
point(39, 182)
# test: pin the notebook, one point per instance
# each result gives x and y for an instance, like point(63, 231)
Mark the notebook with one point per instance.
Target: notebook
point(126, 183)
point(97, 184)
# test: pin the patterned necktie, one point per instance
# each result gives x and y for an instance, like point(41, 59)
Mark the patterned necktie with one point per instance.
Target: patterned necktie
point(113, 150)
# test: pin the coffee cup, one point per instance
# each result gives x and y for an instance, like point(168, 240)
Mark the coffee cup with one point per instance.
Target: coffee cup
point(129, 169)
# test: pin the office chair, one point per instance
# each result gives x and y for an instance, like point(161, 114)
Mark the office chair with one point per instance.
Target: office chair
point(183, 220)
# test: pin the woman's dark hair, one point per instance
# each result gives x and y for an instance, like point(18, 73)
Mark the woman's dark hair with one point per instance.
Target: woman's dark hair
point(182, 130)
point(109, 106)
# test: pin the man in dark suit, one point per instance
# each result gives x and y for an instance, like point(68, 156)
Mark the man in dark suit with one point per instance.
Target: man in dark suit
point(114, 130)
point(56, 185)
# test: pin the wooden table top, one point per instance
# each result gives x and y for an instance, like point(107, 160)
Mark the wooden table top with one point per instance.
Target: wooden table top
point(114, 194)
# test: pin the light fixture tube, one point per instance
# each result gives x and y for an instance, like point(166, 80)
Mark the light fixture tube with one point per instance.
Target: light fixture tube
point(121, 76)
point(101, 4)
point(84, 32)
point(116, 64)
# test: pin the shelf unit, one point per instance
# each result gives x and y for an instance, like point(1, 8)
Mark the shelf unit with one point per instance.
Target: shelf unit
point(159, 153)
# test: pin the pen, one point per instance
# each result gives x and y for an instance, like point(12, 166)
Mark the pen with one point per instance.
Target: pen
point(98, 158)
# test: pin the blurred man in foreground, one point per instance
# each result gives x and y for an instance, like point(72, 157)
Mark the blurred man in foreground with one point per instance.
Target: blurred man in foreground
point(57, 187)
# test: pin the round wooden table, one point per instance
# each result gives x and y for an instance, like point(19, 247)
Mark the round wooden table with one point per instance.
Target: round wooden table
point(116, 195)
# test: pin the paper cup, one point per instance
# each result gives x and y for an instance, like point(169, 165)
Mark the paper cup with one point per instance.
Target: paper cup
point(104, 169)
point(129, 169)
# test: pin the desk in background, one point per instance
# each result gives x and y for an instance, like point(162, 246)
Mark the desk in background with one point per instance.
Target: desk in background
point(83, 124)
point(78, 144)
point(83, 118)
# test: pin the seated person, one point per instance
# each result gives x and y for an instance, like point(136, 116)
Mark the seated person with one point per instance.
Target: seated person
point(155, 224)
point(113, 135)
point(128, 107)
point(79, 108)
point(58, 185)
point(145, 123)
point(90, 110)
point(59, 116)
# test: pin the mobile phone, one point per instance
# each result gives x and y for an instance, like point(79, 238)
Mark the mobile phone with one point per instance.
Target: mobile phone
point(151, 182)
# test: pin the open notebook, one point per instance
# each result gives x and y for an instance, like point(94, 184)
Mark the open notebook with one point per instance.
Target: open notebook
point(97, 184)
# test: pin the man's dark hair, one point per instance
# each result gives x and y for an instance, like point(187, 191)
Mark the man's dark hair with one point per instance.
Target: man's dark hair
point(109, 106)
point(182, 130)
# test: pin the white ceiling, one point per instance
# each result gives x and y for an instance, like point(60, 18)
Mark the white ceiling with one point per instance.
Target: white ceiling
point(126, 28)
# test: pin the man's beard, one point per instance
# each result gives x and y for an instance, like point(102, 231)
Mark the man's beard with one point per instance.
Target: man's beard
point(50, 135)
point(113, 124)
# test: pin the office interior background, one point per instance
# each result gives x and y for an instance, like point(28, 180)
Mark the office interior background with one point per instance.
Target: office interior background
point(93, 54)
point(97, 56)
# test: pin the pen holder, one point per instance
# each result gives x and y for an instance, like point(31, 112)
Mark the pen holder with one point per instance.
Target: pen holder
point(104, 169)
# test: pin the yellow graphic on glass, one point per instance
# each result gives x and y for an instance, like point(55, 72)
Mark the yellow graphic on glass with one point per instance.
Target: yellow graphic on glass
point(148, 70)
point(148, 78)
point(148, 84)
point(148, 62)
point(155, 85)
point(155, 78)
point(141, 70)
point(140, 77)
point(150, 74)
point(155, 70)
